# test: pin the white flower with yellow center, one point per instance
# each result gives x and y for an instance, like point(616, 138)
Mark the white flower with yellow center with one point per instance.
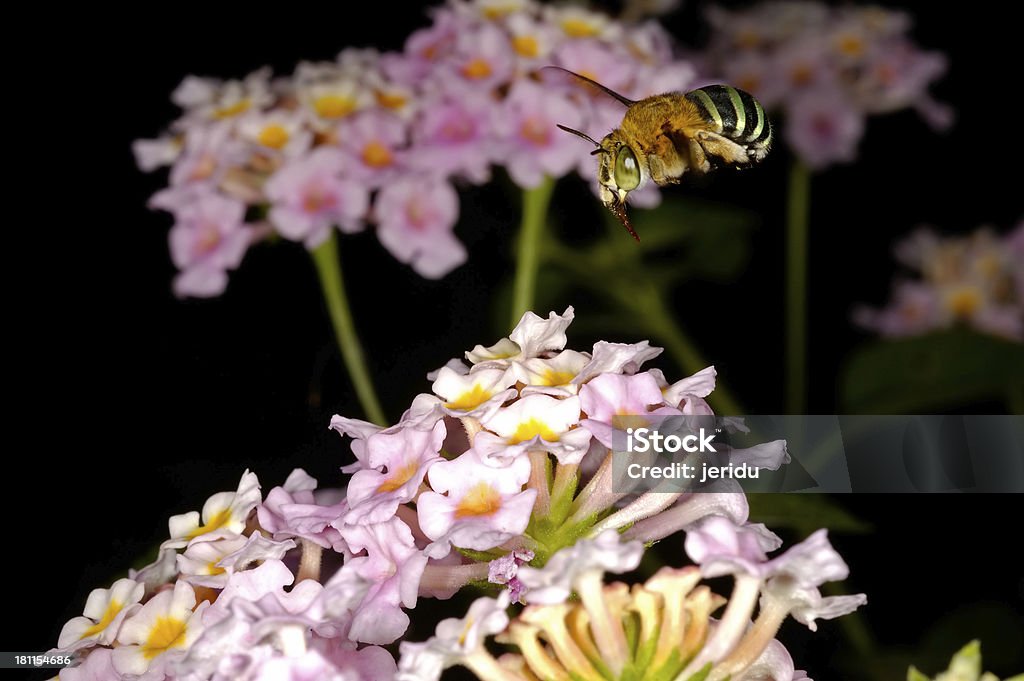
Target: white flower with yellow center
point(532, 336)
point(578, 22)
point(224, 512)
point(211, 563)
point(105, 609)
point(458, 641)
point(276, 133)
point(473, 505)
point(199, 564)
point(332, 98)
point(551, 376)
point(538, 423)
point(212, 99)
point(494, 10)
point(160, 632)
point(477, 394)
point(532, 40)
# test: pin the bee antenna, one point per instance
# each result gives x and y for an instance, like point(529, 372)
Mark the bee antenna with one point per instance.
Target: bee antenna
point(608, 91)
point(581, 134)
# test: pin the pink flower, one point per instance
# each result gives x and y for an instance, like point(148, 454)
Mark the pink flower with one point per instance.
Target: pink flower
point(405, 455)
point(375, 143)
point(292, 511)
point(610, 400)
point(393, 566)
point(208, 239)
point(309, 197)
point(415, 216)
point(824, 128)
point(453, 137)
point(208, 150)
point(532, 146)
point(482, 56)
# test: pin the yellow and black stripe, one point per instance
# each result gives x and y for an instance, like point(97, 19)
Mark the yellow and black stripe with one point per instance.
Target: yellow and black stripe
point(734, 114)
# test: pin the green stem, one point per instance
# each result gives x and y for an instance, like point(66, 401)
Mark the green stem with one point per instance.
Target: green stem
point(798, 208)
point(328, 269)
point(535, 208)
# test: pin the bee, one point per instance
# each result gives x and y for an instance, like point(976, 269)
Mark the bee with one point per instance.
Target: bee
point(664, 136)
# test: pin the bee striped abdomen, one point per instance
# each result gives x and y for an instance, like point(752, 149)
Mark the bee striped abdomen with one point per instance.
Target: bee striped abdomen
point(734, 114)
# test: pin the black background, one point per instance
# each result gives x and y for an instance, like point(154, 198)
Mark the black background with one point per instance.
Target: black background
point(127, 405)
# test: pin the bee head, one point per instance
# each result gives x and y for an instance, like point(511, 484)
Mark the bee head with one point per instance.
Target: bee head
point(618, 173)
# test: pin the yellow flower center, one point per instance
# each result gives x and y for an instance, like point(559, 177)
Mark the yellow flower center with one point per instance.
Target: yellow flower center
point(526, 46)
point(274, 136)
point(749, 82)
point(219, 520)
point(334, 106)
point(850, 45)
point(801, 74)
point(477, 69)
point(748, 39)
point(376, 155)
point(554, 377)
point(167, 633)
point(964, 302)
point(623, 421)
point(230, 110)
point(471, 399)
point(482, 499)
point(213, 569)
point(531, 429)
point(390, 100)
point(578, 28)
point(399, 477)
point(535, 131)
point(108, 616)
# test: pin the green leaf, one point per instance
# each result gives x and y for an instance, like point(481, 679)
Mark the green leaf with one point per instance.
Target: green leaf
point(804, 513)
point(941, 369)
point(914, 675)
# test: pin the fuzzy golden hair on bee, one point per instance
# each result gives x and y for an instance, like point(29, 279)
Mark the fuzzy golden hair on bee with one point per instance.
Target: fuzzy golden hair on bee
point(663, 137)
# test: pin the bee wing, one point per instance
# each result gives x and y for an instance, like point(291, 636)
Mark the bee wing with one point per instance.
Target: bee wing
point(608, 91)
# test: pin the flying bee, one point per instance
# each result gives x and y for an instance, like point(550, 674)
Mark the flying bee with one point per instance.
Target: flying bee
point(664, 136)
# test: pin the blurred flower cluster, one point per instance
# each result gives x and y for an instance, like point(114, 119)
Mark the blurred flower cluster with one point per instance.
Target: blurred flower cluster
point(501, 478)
point(385, 138)
point(977, 280)
point(826, 69)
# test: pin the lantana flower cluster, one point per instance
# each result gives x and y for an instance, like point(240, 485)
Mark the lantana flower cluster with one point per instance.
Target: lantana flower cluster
point(826, 69)
point(386, 138)
point(501, 477)
point(975, 280)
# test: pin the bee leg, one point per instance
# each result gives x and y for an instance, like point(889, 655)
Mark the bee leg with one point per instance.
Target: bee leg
point(698, 159)
point(665, 164)
point(722, 148)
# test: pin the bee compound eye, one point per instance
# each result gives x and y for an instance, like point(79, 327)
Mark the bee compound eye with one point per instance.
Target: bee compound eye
point(627, 169)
